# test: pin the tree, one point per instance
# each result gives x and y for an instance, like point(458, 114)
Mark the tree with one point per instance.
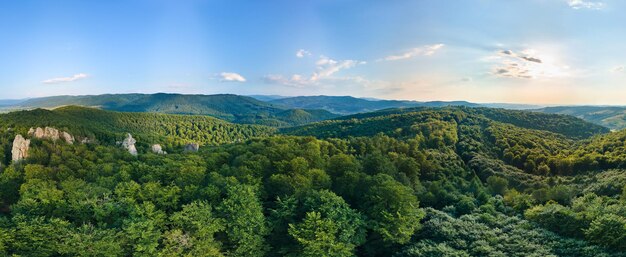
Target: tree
point(316, 222)
point(498, 185)
point(143, 229)
point(88, 240)
point(318, 237)
point(194, 229)
point(245, 225)
point(392, 209)
point(608, 230)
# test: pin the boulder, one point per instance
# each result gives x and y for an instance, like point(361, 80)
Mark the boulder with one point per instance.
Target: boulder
point(20, 148)
point(129, 144)
point(157, 149)
point(51, 133)
point(67, 137)
point(193, 147)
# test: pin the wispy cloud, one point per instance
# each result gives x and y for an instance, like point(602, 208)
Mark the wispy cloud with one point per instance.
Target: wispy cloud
point(418, 51)
point(65, 79)
point(584, 4)
point(527, 64)
point(302, 53)
point(231, 77)
point(618, 69)
point(526, 55)
point(295, 80)
point(325, 68)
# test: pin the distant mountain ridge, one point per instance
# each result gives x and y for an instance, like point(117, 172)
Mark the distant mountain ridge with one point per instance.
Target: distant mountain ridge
point(284, 111)
point(613, 117)
point(350, 105)
point(233, 108)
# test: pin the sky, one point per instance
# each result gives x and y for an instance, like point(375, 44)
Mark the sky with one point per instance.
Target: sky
point(515, 51)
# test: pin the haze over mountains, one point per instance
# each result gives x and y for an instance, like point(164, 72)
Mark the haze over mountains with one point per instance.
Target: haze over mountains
point(282, 111)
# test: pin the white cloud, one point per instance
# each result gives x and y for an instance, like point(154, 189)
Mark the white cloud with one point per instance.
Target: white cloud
point(418, 51)
point(296, 80)
point(528, 64)
point(618, 69)
point(65, 79)
point(327, 67)
point(231, 77)
point(302, 53)
point(584, 4)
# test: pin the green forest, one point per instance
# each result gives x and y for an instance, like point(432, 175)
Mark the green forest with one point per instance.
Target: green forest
point(450, 181)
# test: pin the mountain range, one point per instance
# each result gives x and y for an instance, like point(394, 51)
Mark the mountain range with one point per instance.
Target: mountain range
point(283, 111)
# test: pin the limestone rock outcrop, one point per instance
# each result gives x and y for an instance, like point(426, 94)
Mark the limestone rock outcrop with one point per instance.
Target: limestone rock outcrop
point(20, 148)
point(157, 149)
point(193, 147)
point(129, 144)
point(51, 133)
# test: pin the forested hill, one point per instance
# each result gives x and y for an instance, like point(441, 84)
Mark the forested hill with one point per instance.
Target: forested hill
point(613, 117)
point(401, 121)
point(350, 105)
point(402, 183)
point(233, 108)
point(108, 126)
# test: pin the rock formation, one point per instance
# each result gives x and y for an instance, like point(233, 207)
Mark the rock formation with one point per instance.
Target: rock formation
point(157, 149)
point(51, 133)
point(129, 144)
point(193, 147)
point(20, 148)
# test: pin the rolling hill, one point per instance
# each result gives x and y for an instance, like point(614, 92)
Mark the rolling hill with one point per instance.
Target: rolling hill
point(109, 126)
point(401, 119)
point(613, 117)
point(350, 105)
point(233, 108)
point(451, 181)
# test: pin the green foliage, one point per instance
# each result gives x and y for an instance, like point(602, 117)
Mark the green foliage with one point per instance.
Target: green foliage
point(613, 117)
point(319, 223)
point(392, 209)
point(246, 226)
point(608, 230)
point(233, 108)
point(148, 128)
point(487, 184)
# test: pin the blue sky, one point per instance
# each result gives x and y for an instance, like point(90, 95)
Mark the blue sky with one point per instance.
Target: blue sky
point(530, 51)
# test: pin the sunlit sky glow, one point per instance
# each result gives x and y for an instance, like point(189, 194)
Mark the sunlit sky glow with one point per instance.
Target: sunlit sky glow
point(518, 51)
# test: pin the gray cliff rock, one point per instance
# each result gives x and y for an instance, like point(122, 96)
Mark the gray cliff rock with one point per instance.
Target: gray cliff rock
point(193, 147)
point(51, 133)
point(129, 144)
point(20, 148)
point(157, 149)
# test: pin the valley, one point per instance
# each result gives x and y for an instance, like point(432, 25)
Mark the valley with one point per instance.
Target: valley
point(452, 180)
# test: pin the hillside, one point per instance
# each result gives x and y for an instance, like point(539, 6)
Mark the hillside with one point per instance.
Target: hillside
point(108, 127)
point(351, 105)
point(613, 117)
point(233, 108)
point(451, 181)
point(401, 120)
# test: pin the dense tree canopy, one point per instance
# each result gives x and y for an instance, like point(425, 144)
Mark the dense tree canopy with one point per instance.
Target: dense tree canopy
point(425, 182)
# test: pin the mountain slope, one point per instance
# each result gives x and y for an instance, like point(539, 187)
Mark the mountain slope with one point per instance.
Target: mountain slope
point(351, 105)
point(449, 181)
point(367, 124)
point(613, 117)
point(109, 127)
point(234, 108)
